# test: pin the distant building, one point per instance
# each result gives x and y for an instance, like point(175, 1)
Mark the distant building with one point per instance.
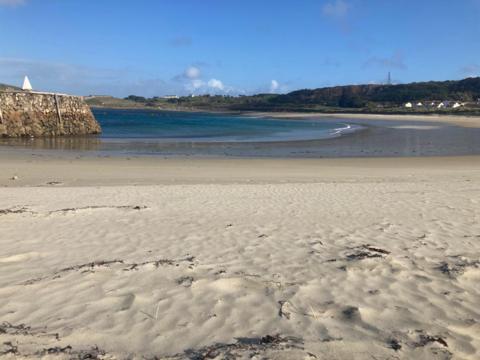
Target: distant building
point(419, 104)
point(441, 105)
point(97, 96)
point(457, 105)
point(170, 97)
point(408, 105)
point(26, 84)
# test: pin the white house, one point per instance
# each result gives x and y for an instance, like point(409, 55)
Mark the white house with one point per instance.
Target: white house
point(457, 105)
point(441, 105)
point(419, 104)
point(408, 105)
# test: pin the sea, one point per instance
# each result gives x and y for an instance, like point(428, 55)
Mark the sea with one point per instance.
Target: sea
point(193, 127)
point(139, 132)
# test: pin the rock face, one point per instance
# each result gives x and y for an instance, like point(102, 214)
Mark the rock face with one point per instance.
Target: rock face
point(44, 114)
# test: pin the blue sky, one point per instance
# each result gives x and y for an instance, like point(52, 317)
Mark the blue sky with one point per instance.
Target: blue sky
point(159, 47)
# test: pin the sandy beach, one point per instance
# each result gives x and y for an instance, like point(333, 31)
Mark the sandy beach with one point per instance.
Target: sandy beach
point(239, 258)
point(240, 180)
point(463, 121)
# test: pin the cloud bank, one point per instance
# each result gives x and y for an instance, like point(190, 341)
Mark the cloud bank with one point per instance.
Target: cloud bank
point(192, 72)
point(121, 82)
point(216, 84)
point(194, 82)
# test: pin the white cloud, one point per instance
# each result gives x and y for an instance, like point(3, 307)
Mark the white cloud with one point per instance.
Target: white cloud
point(197, 83)
point(194, 86)
point(191, 79)
point(212, 86)
point(193, 82)
point(216, 84)
point(274, 86)
point(81, 79)
point(11, 2)
point(192, 72)
point(336, 9)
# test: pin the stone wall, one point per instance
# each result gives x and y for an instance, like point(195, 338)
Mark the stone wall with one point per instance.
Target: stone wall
point(43, 114)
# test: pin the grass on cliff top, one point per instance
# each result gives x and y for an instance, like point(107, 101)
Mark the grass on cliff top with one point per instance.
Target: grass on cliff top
point(111, 102)
point(6, 87)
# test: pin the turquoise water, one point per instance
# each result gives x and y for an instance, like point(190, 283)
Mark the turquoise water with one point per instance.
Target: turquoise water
point(175, 127)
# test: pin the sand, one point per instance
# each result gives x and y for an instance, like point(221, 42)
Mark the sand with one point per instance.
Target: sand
point(457, 120)
point(220, 259)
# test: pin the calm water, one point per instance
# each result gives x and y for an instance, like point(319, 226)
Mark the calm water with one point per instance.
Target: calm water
point(174, 127)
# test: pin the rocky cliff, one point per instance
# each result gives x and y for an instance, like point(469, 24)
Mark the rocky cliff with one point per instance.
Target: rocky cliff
point(44, 114)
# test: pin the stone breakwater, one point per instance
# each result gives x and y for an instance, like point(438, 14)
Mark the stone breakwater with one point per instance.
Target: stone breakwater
point(45, 114)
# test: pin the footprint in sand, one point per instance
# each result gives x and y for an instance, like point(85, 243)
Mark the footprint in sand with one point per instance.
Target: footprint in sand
point(127, 302)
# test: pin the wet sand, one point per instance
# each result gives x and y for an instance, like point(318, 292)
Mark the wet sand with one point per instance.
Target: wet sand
point(456, 120)
point(71, 169)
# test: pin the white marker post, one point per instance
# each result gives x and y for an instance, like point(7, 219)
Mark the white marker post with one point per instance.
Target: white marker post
point(26, 84)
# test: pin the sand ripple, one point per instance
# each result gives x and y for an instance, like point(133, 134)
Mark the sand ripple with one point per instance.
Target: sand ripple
point(294, 271)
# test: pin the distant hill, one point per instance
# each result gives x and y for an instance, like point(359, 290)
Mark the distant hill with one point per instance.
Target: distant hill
point(5, 87)
point(361, 95)
point(356, 98)
point(110, 102)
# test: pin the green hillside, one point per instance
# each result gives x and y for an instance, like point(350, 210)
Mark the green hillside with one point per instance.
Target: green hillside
point(351, 98)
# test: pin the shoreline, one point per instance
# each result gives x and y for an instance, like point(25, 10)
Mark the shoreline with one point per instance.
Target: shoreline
point(391, 138)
